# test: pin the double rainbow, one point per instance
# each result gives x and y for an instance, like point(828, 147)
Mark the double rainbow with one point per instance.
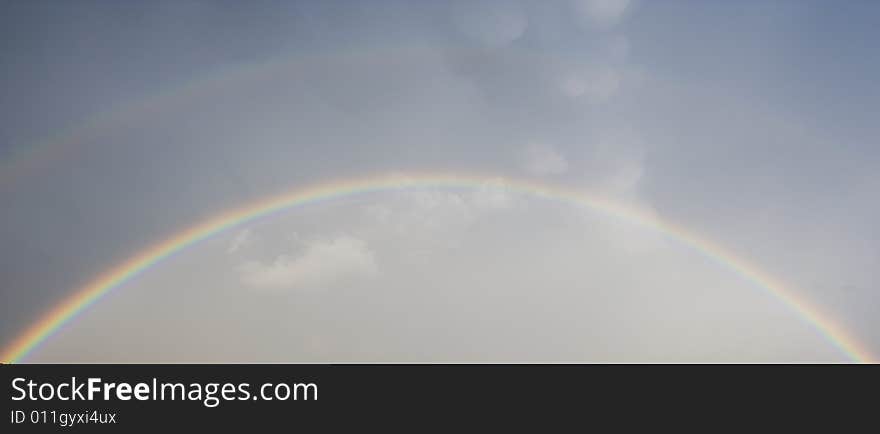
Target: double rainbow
point(117, 276)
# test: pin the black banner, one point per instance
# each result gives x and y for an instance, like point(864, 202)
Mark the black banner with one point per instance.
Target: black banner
point(120, 398)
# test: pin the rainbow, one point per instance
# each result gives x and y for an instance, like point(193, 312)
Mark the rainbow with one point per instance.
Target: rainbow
point(117, 276)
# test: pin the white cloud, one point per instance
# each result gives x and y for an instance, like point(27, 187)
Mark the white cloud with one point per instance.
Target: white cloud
point(435, 219)
point(320, 264)
point(542, 159)
point(243, 237)
point(423, 213)
point(488, 196)
point(603, 14)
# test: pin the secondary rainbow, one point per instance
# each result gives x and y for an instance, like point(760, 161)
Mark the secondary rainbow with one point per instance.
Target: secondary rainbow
point(116, 277)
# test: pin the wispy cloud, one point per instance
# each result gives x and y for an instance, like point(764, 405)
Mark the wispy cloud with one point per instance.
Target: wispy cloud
point(321, 263)
point(241, 238)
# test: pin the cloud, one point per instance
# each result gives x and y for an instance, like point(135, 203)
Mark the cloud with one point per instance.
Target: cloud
point(243, 237)
point(542, 159)
point(433, 220)
point(601, 14)
point(488, 196)
point(320, 264)
point(430, 211)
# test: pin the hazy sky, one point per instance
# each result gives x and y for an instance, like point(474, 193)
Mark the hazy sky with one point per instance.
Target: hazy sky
point(753, 123)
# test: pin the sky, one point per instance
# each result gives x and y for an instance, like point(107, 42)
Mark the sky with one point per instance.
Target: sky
point(751, 123)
